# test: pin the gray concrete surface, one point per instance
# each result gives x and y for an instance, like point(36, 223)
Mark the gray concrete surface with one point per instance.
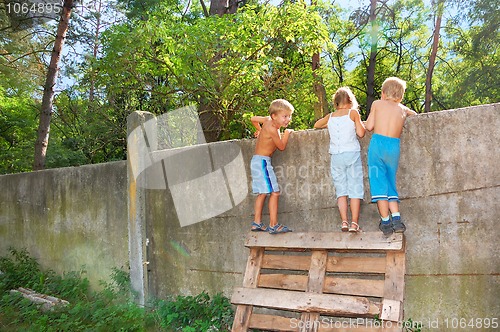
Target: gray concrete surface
point(70, 219)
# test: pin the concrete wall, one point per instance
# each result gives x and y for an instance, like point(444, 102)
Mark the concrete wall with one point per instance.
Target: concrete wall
point(448, 183)
point(68, 218)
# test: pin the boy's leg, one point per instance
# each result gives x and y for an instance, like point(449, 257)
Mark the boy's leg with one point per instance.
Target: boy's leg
point(385, 222)
point(258, 207)
point(397, 225)
point(274, 227)
point(383, 208)
point(392, 167)
point(273, 208)
point(394, 206)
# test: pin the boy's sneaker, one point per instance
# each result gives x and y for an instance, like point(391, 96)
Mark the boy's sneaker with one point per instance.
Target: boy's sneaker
point(385, 228)
point(397, 225)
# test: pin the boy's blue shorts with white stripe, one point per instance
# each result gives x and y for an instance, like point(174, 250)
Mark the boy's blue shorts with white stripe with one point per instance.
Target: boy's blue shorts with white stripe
point(263, 178)
point(383, 160)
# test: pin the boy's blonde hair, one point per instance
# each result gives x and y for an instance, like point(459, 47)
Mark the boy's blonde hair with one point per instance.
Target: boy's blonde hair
point(278, 105)
point(394, 88)
point(344, 96)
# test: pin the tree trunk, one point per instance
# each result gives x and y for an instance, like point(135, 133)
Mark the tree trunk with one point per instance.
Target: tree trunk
point(432, 58)
point(95, 49)
point(48, 90)
point(210, 121)
point(370, 76)
point(221, 7)
point(321, 106)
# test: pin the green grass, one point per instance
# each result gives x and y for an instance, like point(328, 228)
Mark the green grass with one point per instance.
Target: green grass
point(110, 309)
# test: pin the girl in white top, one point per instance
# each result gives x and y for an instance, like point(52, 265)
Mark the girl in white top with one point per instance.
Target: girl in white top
point(347, 171)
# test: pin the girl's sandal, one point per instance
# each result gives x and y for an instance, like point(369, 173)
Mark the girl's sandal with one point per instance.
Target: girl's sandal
point(354, 227)
point(345, 226)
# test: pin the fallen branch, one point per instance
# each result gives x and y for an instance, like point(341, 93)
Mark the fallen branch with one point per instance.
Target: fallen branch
point(47, 302)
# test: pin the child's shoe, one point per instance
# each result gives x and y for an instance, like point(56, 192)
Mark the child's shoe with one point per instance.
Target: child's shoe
point(278, 228)
point(354, 227)
point(385, 228)
point(397, 225)
point(259, 227)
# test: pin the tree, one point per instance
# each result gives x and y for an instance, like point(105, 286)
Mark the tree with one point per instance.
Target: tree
point(321, 106)
point(223, 7)
point(370, 73)
point(48, 92)
point(432, 58)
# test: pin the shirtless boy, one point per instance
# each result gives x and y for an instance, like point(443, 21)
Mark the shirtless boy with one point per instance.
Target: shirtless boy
point(264, 180)
point(386, 119)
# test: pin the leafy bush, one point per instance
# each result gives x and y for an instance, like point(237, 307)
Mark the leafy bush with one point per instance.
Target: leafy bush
point(106, 310)
point(195, 313)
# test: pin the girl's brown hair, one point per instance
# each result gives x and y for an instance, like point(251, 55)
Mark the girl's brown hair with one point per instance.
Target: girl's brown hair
point(344, 96)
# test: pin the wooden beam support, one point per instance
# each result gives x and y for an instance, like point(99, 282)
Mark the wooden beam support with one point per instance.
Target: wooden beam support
point(370, 241)
point(327, 304)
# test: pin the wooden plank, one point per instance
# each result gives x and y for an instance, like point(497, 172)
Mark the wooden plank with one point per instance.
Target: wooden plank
point(309, 322)
point(328, 304)
point(274, 323)
point(283, 281)
point(391, 310)
point(243, 313)
point(332, 285)
point(334, 264)
point(356, 264)
point(370, 241)
point(315, 282)
point(252, 270)
point(317, 271)
point(353, 286)
point(395, 282)
point(326, 326)
point(287, 262)
point(242, 318)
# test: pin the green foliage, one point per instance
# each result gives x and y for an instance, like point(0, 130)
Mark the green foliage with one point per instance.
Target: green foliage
point(20, 270)
point(158, 56)
point(247, 60)
point(101, 310)
point(17, 131)
point(195, 313)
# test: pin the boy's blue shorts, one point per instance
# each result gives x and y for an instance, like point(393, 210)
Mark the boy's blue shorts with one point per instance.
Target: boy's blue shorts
point(383, 160)
point(263, 178)
point(347, 174)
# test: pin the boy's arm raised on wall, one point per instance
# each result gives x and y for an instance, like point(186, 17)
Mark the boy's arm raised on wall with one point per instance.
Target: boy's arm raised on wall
point(280, 140)
point(410, 112)
point(256, 121)
point(322, 123)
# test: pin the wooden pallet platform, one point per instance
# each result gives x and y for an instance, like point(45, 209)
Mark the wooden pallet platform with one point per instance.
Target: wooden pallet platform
point(321, 282)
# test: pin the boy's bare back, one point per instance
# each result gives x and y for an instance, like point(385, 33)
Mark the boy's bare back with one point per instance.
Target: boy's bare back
point(387, 118)
point(265, 145)
point(269, 138)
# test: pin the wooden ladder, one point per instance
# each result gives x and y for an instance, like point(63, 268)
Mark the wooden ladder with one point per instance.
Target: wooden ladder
point(322, 282)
